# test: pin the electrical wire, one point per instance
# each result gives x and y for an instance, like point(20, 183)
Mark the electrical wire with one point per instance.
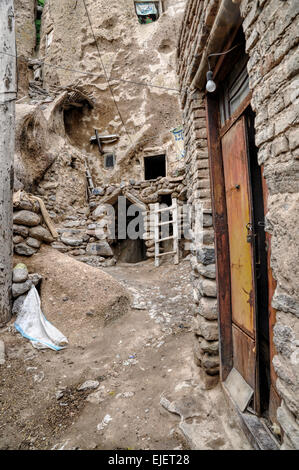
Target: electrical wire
point(221, 53)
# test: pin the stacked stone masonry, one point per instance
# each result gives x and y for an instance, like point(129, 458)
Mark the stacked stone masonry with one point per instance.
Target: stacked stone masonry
point(86, 235)
point(29, 228)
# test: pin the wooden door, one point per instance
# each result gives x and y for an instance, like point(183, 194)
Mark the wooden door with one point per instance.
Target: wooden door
point(241, 249)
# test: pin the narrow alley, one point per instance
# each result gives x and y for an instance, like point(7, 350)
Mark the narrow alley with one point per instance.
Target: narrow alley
point(139, 389)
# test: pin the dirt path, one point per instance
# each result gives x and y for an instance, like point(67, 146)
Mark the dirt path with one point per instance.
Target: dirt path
point(147, 394)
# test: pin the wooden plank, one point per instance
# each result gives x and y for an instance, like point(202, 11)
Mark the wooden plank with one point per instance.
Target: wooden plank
point(157, 235)
point(221, 236)
point(165, 209)
point(175, 232)
point(165, 223)
point(166, 238)
point(244, 359)
point(238, 389)
point(167, 253)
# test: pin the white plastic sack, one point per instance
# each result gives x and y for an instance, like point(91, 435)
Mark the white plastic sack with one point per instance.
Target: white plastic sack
point(33, 325)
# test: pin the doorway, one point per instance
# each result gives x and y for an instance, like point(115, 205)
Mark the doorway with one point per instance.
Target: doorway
point(128, 249)
point(241, 252)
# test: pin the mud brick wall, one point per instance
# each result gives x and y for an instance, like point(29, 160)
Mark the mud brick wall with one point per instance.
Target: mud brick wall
point(271, 43)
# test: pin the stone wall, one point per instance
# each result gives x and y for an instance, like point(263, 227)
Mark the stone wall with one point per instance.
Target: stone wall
point(86, 234)
point(29, 227)
point(198, 194)
point(271, 40)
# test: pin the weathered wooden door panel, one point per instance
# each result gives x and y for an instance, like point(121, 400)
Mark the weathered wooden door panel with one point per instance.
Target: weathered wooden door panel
point(239, 216)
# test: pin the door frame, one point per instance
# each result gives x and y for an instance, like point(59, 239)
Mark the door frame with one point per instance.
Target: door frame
point(222, 252)
point(219, 208)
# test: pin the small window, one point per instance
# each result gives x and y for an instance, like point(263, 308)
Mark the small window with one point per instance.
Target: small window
point(147, 12)
point(109, 161)
point(154, 167)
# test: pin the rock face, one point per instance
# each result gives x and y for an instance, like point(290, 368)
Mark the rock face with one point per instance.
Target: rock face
point(131, 52)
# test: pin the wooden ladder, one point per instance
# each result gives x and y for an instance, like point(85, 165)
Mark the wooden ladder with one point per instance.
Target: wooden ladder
point(175, 237)
point(90, 185)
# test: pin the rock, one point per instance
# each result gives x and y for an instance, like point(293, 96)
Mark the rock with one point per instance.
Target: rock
point(20, 273)
point(207, 288)
point(109, 262)
point(35, 279)
point(289, 425)
point(24, 250)
point(2, 353)
point(208, 308)
point(285, 303)
point(101, 248)
point(59, 394)
point(33, 242)
point(98, 396)
point(42, 234)
point(21, 230)
point(27, 218)
point(25, 205)
point(71, 240)
point(18, 239)
point(88, 385)
point(208, 271)
point(18, 304)
point(19, 289)
point(72, 224)
point(98, 191)
point(104, 423)
point(60, 247)
point(79, 252)
point(207, 329)
point(209, 347)
point(206, 256)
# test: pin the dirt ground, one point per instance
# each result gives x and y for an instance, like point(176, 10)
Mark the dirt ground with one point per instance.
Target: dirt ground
point(148, 394)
